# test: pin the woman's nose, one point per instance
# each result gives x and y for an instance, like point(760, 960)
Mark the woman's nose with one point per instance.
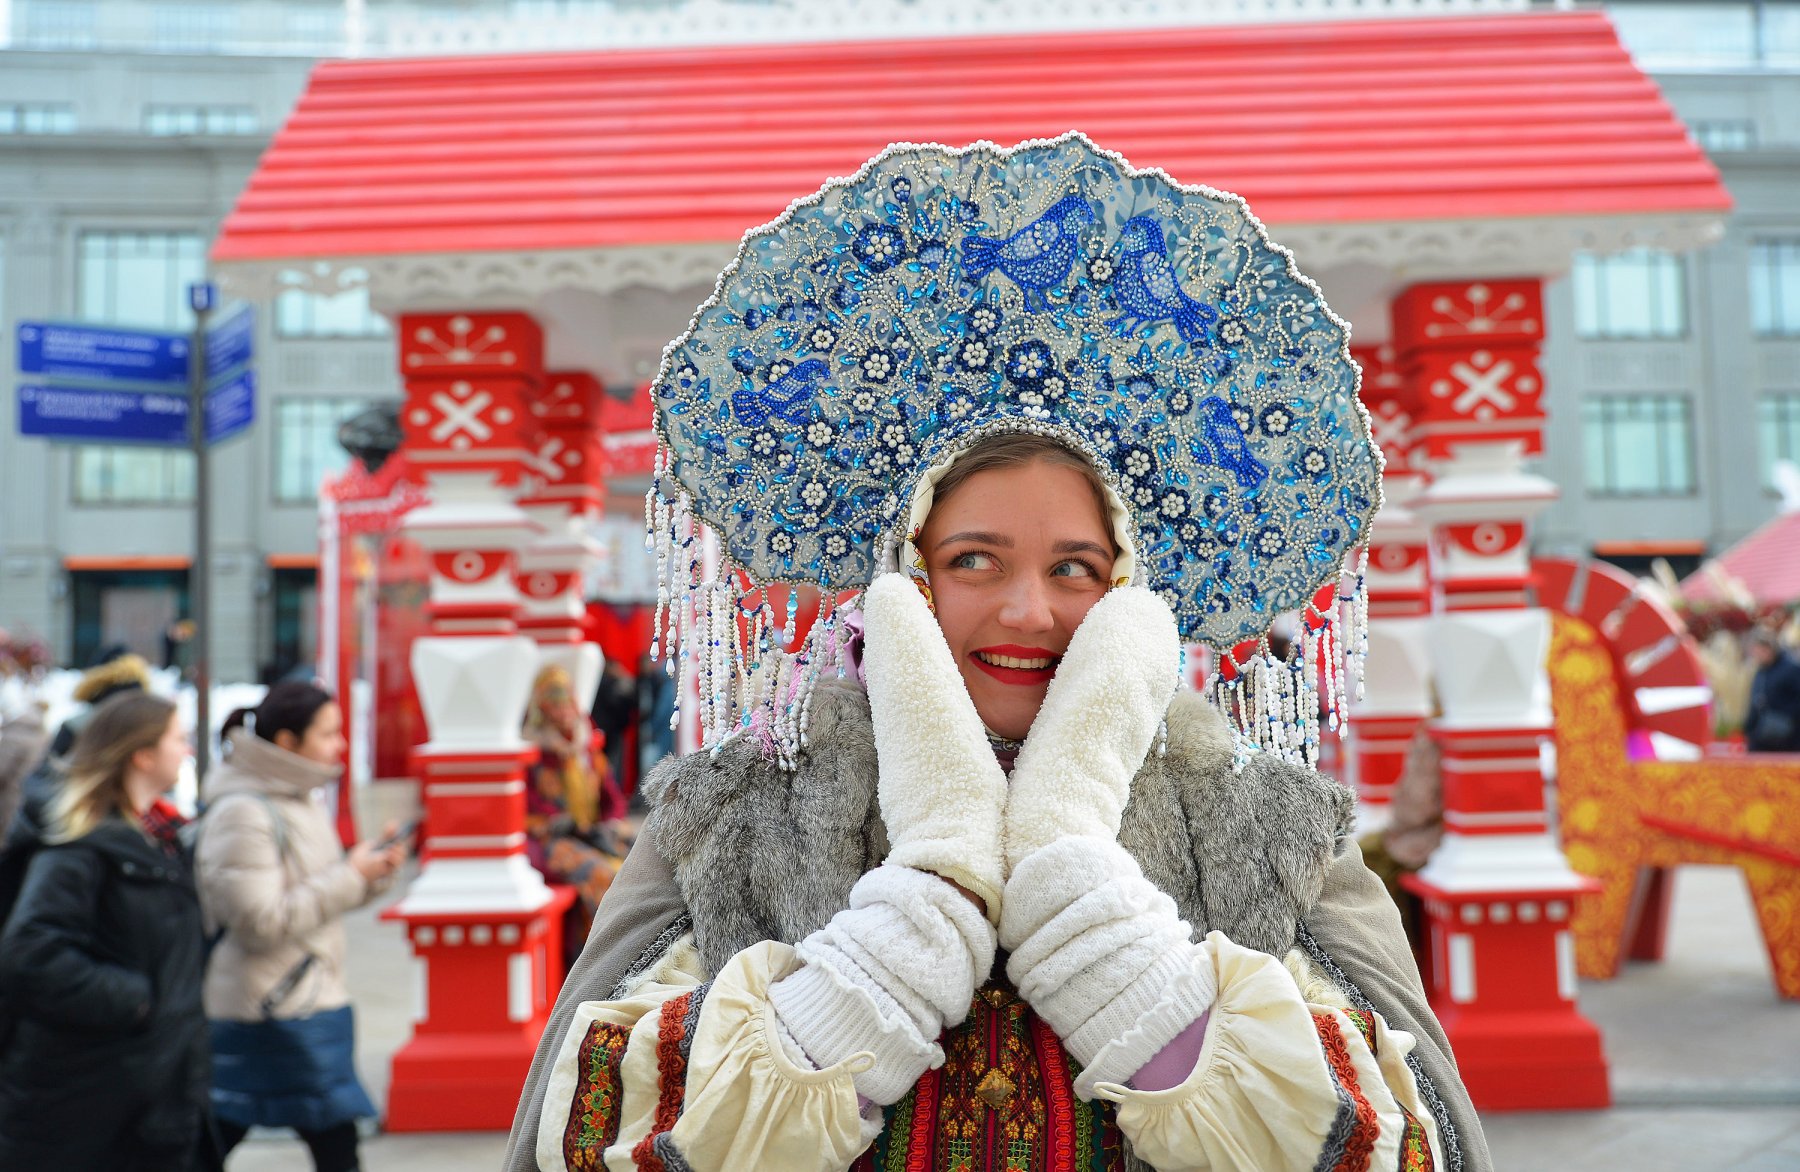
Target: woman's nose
point(1027, 607)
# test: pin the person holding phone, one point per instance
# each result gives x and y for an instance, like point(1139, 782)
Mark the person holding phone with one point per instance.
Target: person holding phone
point(276, 882)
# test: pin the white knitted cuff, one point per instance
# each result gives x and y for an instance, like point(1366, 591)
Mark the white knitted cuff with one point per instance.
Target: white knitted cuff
point(1048, 881)
point(833, 1020)
point(1181, 1002)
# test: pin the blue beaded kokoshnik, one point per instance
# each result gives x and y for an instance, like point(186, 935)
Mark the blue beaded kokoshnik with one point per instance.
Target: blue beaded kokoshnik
point(942, 295)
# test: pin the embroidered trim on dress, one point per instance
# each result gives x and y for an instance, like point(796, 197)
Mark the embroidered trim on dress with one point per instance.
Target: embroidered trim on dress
point(1347, 1149)
point(674, 1036)
point(593, 1124)
point(1427, 1089)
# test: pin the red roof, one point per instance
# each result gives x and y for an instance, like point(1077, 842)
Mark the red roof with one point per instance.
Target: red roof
point(1767, 563)
point(1453, 118)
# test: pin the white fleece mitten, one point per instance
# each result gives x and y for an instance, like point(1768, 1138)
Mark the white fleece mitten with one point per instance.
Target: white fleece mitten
point(942, 792)
point(1113, 686)
point(1102, 956)
point(885, 977)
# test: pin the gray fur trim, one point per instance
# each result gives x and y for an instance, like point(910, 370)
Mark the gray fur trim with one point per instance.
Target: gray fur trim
point(1316, 953)
point(762, 854)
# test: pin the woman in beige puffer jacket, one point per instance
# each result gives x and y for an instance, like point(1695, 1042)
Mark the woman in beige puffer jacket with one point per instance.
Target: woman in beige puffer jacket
point(274, 877)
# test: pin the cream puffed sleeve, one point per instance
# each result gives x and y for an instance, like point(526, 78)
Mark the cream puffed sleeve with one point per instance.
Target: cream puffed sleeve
point(681, 1072)
point(1282, 1083)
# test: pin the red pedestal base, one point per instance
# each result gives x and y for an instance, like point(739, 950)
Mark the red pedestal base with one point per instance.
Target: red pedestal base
point(1529, 1061)
point(488, 983)
point(459, 1082)
point(1502, 982)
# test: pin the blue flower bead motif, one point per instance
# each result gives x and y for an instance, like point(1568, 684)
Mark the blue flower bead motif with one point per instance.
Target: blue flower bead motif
point(880, 247)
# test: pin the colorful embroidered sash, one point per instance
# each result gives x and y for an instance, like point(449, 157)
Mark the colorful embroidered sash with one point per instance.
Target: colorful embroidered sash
point(1004, 1101)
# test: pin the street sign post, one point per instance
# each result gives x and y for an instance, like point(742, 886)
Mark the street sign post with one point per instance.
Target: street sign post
point(102, 354)
point(99, 416)
point(107, 384)
point(230, 407)
point(230, 344)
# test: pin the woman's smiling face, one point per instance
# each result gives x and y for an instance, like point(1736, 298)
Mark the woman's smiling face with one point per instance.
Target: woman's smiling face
point(1017, 555)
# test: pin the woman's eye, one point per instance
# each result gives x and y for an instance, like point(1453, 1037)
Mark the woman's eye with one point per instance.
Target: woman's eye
point(1074, 569)
point(971, 561)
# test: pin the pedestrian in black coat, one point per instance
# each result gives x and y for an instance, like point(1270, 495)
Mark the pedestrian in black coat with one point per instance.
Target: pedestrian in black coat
point(1772, 724)
point(101, 964)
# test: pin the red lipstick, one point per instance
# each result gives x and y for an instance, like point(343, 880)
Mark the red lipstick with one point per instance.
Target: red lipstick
point(1024, 676)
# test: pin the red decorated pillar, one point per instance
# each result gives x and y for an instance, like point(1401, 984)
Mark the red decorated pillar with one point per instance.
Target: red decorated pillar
point(1498, 891)
point(1396, 695)
point(484, 927)
point(566, 501)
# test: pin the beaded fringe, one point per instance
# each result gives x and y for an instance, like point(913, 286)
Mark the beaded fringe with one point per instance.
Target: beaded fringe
point(730, 652)
point(1285, 705)
point(732, 656)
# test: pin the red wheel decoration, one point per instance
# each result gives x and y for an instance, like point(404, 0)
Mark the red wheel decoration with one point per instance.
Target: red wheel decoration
point(1654, 658)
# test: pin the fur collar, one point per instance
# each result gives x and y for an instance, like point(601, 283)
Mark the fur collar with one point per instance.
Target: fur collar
point(760, 854)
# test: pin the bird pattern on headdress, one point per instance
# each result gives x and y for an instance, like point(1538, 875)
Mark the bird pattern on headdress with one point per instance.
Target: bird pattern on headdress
point(941, 295)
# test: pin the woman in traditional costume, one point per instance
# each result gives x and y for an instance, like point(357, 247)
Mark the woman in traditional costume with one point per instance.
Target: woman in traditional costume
point(962, 878)
point(575, 825)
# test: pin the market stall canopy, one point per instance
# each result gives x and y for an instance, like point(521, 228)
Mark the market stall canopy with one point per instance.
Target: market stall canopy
point(1764, 565)
point(1437, 147)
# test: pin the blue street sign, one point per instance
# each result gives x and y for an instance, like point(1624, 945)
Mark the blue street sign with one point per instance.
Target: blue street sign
point(230, 407)
point(202, 296)
point(87, 413)
point(230, 344)
point(101, 353)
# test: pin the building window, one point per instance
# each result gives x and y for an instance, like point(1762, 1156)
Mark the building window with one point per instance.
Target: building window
point(57, 24)
point(193, 28)
point(1690, 35)
point(200, 120)
point(306, 447)
point(138, 278)
point(1639, 445)
point(302, 313)
point(37, 118)
point(1635, 294)
point(1778, 430)
point(1725, 134)
point(133, 476)
point(1775, 287)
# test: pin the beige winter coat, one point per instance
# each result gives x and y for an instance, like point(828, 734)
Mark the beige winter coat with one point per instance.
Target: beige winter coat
point(276, 906)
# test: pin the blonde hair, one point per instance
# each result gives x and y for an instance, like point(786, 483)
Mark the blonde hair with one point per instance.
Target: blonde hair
point(1011, 449)
point(101, 761)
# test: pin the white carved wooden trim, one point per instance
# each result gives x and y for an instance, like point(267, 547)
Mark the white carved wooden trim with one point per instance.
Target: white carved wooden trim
point(1417, 250)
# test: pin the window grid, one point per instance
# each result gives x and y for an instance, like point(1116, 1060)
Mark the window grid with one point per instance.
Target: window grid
point(1639, 445)
point(1725, 134)
point(306, 447)
point(57, 24)
point(1775, 287)
point(165, 119)
point(1638, 294)
point(138, 278)
point(193, 28)
point(302, 313)
point(37, 118)
point(124, 475)
point(1778, 431)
